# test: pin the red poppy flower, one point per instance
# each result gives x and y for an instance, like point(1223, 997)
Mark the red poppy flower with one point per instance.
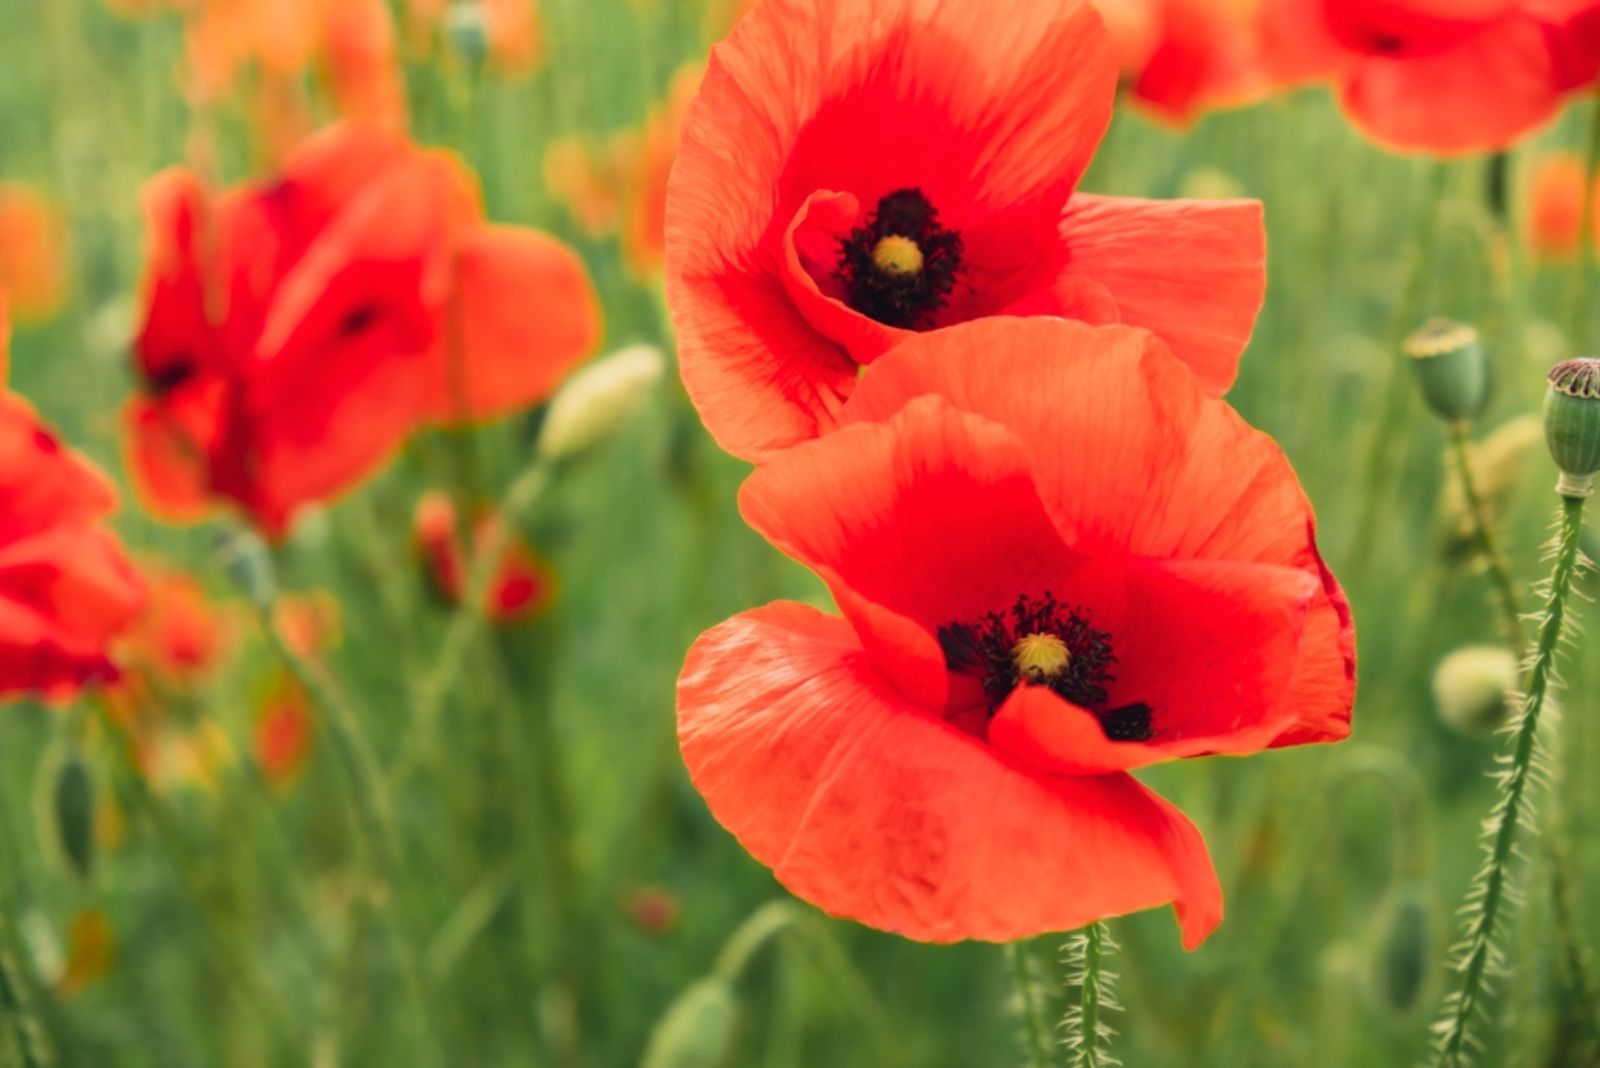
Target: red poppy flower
point(33, 256)
point(66, 590)
point(1440, 76)
point(296, 331)
point(1182, 57)
point(852, 173)
point(1057, 561)
point(284, 733)
point(521, 585)
point(1554, 225)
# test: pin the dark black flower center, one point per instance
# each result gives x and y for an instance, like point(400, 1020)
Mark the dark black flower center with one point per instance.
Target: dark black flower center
point(901, 266)
point(174, 372)
point(1041, 642)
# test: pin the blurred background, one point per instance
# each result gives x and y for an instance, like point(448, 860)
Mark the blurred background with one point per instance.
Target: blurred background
point(196, 895)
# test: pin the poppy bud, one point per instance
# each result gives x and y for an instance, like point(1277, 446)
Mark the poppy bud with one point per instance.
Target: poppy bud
point(597, 400)
point(1474, 687)
point(1404, 950)
point(68, 813)
point(466, 30)
point(1572, 424)
point(697, 1029)
point(1451, 368)
point(245, 558)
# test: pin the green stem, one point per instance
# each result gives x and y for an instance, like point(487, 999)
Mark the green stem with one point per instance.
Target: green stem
point(1038, 1044)
point(31, 1044)
point(378, 840)
point(467, 621)
point(1583, 273)
point(1490, 889)
point(1094, 944)
point(1379, 465)
point(1489, 545)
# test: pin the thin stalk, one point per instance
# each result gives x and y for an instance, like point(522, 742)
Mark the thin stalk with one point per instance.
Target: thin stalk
point(467, 621)
point(1033, 1029)
point(1378, 466)
point(378, 840)
point(1488, 544)
point(1479, 951)
point(33, 1048)
point(1582, 300)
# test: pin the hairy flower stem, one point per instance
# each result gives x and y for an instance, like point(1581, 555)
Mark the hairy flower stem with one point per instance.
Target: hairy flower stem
point(1089, 996)
point(1378, 467)
point(1488, 544)
point(1087, 1034)
point(1034, 1036)
point(33, 1049)
point(1490, 889)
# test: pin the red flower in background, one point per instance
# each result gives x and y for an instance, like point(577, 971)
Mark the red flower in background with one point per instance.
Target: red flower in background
point(852, 173)
point(295, 331)
point(66, 590)
point(1182, 57)
point(1440, 76)
point(521, 587)
point(1042, 588)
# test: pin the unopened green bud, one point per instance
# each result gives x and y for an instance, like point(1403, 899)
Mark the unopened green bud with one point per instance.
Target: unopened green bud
point(598, 400)
point(1451, 369)
point(1572, 424)
point(1404, 948)
point(697, 1030)
point(66, 812)
point(1474, 688)
point(465, 29)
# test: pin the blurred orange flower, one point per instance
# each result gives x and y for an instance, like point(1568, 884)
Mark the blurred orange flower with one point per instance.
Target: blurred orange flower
point(590, 177)
point(296, 330)
point(522, 586)
point(309, 623)
point(33, 257)
point(644, 242)
point(1555, 207)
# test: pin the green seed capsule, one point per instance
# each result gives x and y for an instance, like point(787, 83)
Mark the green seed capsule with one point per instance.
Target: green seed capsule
point(697, 1030)
point(1572, 424)
point(66, 813)
point(1451, 369)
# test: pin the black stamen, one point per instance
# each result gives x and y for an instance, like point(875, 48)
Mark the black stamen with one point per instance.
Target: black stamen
point(175, 372)
point(905, 300)
point(358, 319)
point(985, 651)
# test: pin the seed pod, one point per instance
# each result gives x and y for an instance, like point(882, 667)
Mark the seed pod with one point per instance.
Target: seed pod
point(1474, 688)
point(697, 1031)
point(1451, 369)
point(1572, 424)
point(67, 813)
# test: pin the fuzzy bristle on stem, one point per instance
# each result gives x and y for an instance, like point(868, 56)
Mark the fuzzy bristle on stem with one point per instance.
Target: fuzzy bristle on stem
point(1478, 953)
point(1086, 1033)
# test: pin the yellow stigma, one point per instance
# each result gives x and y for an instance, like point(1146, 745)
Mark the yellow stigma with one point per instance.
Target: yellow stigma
point(1040, 656)
point(895, 254)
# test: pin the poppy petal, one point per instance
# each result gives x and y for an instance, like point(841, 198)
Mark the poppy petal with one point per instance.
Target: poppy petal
point(898, 511)
point(1192, 271)
point(525, 315)
point(872, 810)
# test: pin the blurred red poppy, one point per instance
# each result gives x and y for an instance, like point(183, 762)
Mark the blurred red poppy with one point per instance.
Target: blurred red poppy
point(918, 171)
point(295, 331)
point(1182, 57)
point(644, 240)
point(1442, 77)
point(521, 587)
point(66, 589)
point(1043, 588)
point(284, 733)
